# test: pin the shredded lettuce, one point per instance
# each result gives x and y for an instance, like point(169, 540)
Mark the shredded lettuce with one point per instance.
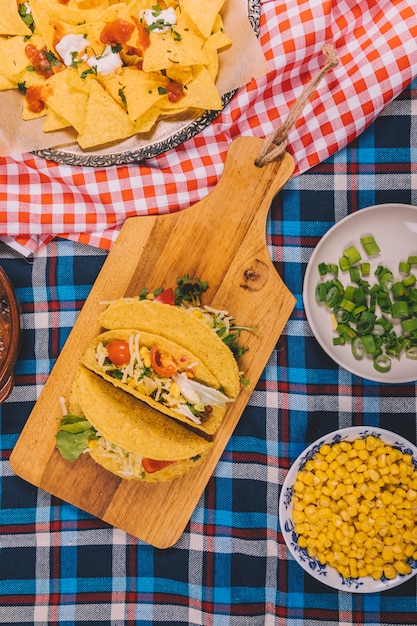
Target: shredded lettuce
point(73, 436)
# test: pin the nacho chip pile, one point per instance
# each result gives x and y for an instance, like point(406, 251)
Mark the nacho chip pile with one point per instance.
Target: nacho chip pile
point(110, 70)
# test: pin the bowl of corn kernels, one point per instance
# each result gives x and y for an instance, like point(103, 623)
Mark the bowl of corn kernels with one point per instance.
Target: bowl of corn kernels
point(348, 509)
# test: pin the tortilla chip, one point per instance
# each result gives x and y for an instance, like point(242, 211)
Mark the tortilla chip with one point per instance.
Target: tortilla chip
point(202, 13)
point(10, 21)
point(201, 92)
point(14, 61)
point(212, 45)
point(69, 97)
point(6, 83)
point(105, 121)
point(141, 90)
point(181, 328)
point(169, 49)
point(53, 122)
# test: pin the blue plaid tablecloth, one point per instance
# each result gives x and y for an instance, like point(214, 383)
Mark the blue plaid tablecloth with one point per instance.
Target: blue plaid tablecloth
point(60, 566)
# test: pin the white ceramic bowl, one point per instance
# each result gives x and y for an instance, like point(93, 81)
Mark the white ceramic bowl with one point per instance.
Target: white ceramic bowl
point(325, 573)
point(394, 227)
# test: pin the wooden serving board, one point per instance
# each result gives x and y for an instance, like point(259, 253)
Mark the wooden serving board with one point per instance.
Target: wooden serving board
point(220, 239)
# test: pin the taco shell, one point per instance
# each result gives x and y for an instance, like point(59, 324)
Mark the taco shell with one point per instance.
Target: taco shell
point(180, 327)
point(184, 359)
point(137, 428)
point(176, 470)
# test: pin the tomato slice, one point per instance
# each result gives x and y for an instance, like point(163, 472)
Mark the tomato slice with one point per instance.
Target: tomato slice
point(162, 365)
point(118, 352)
point(166, 297)
point(152, 465)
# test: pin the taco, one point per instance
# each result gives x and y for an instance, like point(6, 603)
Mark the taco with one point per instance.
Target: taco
point(181, 327)
point(162, 374)
point(126, 437)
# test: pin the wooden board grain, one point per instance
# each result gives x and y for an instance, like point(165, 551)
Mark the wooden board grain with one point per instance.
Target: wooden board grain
point(220, 239)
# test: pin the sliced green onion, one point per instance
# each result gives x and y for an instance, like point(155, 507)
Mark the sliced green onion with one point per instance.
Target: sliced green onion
point(352, 254)
point(411, 353)
point(398, 290)
point(399, 309)
point(322, 269)
point(409, 326)
point(409, 281)
point(382, 363)
point(370, 245)
point(358, 349)
point(404, 267)
point(344, 264)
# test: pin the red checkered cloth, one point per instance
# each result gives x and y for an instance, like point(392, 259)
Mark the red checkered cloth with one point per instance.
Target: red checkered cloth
point(376, 42)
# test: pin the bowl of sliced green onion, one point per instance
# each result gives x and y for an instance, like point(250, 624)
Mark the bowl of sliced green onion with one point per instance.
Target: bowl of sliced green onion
point(360, 293)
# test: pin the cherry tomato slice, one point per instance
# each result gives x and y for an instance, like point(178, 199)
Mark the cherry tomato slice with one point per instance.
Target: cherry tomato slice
point(118, 352)
point(166, 297)
point(164, 366)
point(151, 465)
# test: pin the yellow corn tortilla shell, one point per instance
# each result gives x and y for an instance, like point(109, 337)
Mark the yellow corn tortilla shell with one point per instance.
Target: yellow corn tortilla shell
point(10, 21)
point(136, 428)
point(180, 327)
point(170, 472)
point(184, 358)
point(134, 425)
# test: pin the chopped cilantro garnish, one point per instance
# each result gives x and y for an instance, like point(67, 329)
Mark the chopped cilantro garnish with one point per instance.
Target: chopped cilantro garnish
point(26, 16)
point(122, 96)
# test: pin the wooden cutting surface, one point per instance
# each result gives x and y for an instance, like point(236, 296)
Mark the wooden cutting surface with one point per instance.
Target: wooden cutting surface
point(221, 239)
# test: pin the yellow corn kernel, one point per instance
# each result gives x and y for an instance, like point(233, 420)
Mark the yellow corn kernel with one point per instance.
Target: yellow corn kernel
point(325, 449)
point(372, 443)
point(387, 554)
point(359, 444)
point(386, 497)
point(298, 517)
point(175, 390)
point(376, 573)
point(298, 485)
point(402, 567)
point(307, 478)
point(411, 495)
point(389, 572)
point(360, 538)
